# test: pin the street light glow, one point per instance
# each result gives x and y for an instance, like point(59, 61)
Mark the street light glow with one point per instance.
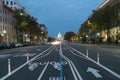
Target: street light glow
point(21, 14)
point(98, 34)
point(25, 35)
point(4, 31)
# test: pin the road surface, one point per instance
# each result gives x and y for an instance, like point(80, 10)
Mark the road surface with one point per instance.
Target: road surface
point(60, 62)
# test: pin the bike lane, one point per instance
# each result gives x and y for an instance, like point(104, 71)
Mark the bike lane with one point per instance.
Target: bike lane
point(89, 70)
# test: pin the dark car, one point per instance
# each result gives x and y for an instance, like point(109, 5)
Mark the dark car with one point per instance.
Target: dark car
point(26, 43)
point(2, 46)
point(10, 45)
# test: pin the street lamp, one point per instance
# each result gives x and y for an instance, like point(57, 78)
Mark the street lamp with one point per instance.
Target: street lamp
point(35, 37)
point(98, 37)
point(21, 14)
point(98, 34)
point(25, 37)
point(87, 38)
point(98, 55)
point(88, 22)
point(4, 32)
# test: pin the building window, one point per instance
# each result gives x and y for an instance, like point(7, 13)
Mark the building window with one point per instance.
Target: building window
point(14, 3)
point(3, 2)
point(0, 10)
point(11, 2)
point(7, 2)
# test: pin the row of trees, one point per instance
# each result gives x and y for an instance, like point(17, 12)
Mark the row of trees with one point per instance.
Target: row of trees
point(102, 19)
point(28, 25)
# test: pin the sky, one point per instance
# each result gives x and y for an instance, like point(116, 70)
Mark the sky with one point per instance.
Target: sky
point(61, 15)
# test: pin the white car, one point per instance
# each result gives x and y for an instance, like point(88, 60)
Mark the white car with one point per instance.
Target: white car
point(18, 45)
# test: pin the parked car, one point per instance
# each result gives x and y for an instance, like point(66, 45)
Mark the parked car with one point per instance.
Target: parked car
point(2, 46)
point(18, 45)
point(26, 44)
point(10, 45)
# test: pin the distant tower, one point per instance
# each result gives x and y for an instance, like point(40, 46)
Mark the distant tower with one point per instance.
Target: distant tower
point(59, 37)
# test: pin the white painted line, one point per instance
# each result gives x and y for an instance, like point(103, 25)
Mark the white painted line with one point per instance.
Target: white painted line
point(76, 54)
point(20, 67)
point(80, 78)
point(57, 78)
point(39, 78)
point(107, 69)
point(45, 54)
point(75, 77)
point(72, 66)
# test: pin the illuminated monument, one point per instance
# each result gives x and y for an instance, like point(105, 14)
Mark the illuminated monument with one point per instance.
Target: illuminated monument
point(59, 37)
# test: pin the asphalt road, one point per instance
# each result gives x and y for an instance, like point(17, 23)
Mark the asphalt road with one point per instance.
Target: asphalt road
point(60, 62)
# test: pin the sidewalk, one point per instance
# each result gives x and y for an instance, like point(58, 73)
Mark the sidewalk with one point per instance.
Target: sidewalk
point(111, 46)
point(106, 45)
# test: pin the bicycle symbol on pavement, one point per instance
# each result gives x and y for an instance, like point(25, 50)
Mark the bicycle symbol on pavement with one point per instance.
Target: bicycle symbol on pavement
point(56, 65)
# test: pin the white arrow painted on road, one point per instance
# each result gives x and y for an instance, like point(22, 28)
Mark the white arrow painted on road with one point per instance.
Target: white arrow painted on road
point(94, 72)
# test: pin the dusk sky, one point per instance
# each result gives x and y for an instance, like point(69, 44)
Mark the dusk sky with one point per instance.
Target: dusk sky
point(61, 15)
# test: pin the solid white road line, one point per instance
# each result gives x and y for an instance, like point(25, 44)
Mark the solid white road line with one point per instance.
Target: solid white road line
point(76, 54)
point(107, 69)
point(73, 67)
point(73, 72)
point(39, 78)
point(46, 54)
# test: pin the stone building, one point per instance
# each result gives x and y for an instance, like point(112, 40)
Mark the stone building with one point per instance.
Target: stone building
point(7, 24)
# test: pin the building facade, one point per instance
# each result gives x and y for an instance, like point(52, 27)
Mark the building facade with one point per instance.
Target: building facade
point(7, 24)
point(43, 28)
point(115, 24)
point(14, 4)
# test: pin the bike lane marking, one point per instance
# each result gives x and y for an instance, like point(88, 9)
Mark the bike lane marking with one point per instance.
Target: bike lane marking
point(20, 67)
point(76, 74)
point(100, 65)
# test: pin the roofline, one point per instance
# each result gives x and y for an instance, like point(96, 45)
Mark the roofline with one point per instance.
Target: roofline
point(103, 4)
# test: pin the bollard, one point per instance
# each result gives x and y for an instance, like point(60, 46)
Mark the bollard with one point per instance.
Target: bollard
point(9, 66)
point(27, 57)
point(87, 53)
point(98, 58)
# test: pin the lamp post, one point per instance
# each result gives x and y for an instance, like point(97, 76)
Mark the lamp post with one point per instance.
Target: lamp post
point(25, 37)
point(35, 37)
point(87, 38)
point(98, 37)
